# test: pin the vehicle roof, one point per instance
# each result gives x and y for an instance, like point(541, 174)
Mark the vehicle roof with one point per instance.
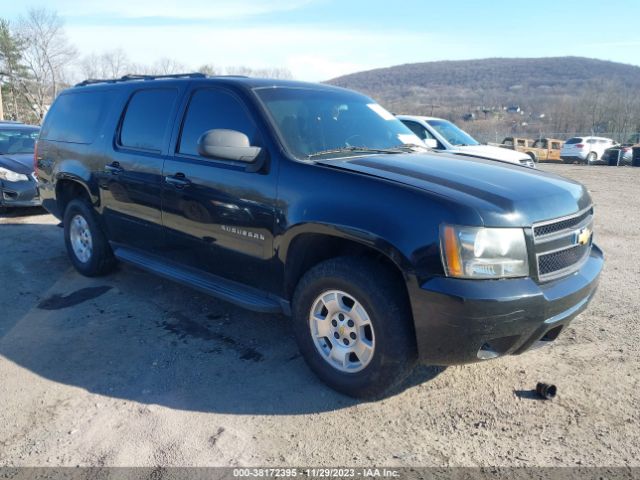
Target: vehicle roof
point(17, 126)
point(591, 136)
point(420, 117)
point(247, 82)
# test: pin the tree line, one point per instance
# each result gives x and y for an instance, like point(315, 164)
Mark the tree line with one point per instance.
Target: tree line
point(37, 61)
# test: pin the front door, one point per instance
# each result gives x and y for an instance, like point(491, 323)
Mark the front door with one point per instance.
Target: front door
point(219, 217)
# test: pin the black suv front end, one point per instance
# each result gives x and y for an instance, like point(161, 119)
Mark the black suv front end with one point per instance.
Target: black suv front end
point(461, 321)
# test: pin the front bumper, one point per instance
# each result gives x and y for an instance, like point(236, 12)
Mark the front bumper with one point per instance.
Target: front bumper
point(19, 194)
point(463, 321)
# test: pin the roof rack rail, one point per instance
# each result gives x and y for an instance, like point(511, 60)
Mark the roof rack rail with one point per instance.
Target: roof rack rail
point(129, 77)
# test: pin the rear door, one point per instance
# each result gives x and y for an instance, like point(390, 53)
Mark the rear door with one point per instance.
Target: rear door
point(554, 152)
point(218, 217)
point(131, 182)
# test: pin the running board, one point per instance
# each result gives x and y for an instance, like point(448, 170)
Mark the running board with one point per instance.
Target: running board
point(227, 290)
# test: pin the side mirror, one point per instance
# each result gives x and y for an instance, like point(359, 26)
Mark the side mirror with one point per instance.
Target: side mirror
point(228, 145)
point(430, 142)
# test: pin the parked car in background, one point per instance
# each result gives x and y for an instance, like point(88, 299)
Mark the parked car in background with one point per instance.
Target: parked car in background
point(515, 143)
point(545, 150)
point(618, 155)
point(18, 185)
point(441, 134)
point(316, 202)
point(587, 150)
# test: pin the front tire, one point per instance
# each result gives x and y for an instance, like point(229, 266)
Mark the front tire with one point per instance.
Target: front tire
point(352, 322)
point(86, 243)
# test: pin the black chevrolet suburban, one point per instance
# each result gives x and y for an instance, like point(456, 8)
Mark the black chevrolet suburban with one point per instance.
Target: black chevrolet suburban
point(315, 202)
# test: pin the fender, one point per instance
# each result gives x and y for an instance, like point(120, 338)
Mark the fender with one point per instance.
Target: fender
point(78, 172)
point(345, 232)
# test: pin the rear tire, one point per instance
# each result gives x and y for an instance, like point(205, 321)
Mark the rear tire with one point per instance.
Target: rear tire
point(86, 243)
point(339, 297)
point(591, 157)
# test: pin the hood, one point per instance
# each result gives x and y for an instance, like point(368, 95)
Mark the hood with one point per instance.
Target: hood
point(490, 152)
point(502, 194)
point(18, 162)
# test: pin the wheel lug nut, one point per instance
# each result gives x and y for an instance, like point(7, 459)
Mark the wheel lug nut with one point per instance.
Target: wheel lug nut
point(334, 323)
point(352, 335)
point(336, 335)
point(346, 342)
point(350, 323)
point(341, 317)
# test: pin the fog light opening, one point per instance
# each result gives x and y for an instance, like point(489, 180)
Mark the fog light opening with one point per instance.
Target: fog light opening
point(486, 352)
point(552, 334)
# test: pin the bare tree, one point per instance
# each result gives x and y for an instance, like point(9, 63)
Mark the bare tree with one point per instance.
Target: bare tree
point(210, 69)
point(46, 55)
point(274, 72)
point(111, 64)
point(167, 66)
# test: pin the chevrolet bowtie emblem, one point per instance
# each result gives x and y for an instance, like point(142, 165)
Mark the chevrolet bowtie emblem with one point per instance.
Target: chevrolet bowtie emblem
point(583, 236)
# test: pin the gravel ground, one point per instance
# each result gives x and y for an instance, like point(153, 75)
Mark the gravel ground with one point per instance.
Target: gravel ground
point(134, 370)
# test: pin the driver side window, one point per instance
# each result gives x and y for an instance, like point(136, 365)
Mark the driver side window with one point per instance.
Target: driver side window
point(214, 109)
point(421, 132)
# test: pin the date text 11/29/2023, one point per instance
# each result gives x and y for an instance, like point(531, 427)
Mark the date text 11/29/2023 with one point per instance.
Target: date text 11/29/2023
point(316, 472)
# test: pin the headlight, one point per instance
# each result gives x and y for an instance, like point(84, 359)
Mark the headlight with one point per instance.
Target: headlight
point(478, 252)
point(11, 176)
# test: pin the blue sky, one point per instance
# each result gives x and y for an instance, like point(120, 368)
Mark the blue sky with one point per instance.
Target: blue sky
point(321, 39)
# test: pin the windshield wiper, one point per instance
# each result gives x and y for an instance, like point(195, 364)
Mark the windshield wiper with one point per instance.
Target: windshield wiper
point(353, 149)
point(412, 146)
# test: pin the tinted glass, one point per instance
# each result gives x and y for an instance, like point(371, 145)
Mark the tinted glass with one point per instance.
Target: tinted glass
point(573, 140)
point(147, 118)
point(418, 129)
point(17, 140)
point(75, 117)
point(211, 109)
point(453, 134)
point(311, 121)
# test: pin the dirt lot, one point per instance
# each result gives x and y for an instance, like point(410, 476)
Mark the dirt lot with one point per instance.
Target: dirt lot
point(134, 370)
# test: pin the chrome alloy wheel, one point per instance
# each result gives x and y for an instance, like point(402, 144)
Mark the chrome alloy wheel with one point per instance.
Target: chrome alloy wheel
point(342, 331)
point(80, 238)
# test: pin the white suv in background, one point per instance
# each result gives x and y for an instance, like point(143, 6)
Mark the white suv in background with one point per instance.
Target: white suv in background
point(441, 134)
point(585, 150)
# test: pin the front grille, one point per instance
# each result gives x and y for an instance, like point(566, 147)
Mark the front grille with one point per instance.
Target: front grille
point(557, 248)
point(553, 227)
point(561, 260)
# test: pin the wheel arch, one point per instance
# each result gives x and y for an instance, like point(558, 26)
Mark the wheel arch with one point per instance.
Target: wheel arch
point(69, 187)
point(306, 248)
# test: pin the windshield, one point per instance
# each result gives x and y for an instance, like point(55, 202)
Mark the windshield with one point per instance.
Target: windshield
point(452, 134)
point(315, 122)
point(17, 140)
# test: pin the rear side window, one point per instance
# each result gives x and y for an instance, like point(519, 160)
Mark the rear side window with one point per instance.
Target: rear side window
point(210, 109)
point(147, 118)
point(573, 140)
point(76, 117)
